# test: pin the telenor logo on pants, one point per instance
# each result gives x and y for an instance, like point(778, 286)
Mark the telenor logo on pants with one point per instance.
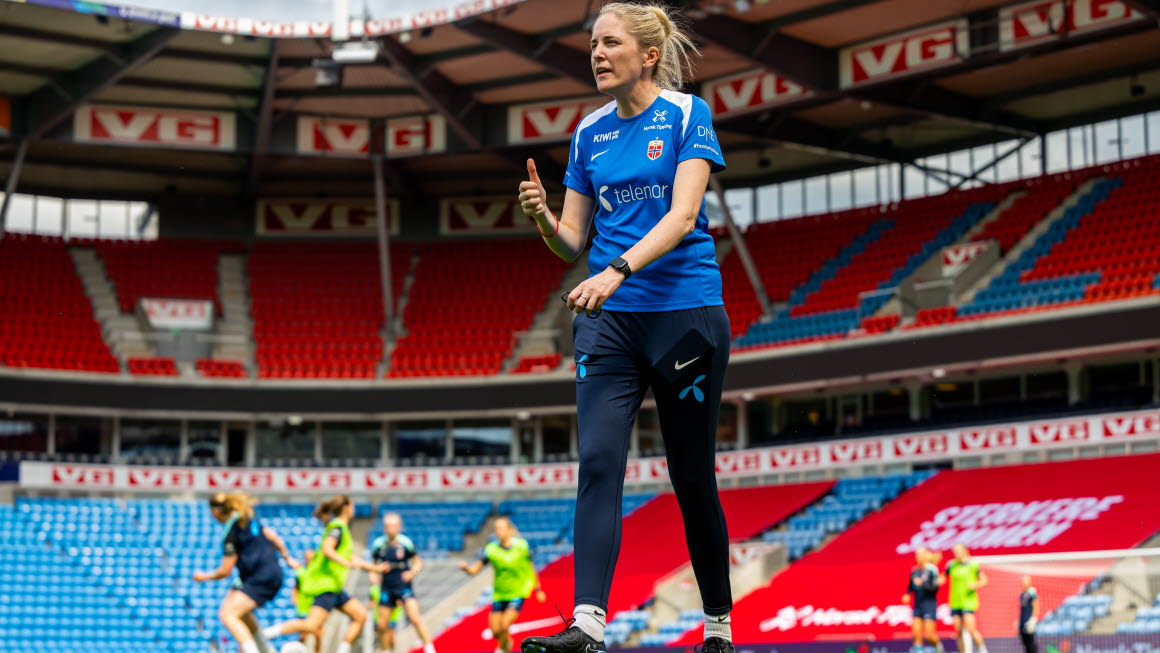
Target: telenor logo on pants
point(698, 394)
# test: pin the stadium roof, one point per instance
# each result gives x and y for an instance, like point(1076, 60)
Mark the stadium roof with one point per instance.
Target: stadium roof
point(800, 87)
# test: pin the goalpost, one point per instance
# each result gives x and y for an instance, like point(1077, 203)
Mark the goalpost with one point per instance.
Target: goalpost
point(1089, 601)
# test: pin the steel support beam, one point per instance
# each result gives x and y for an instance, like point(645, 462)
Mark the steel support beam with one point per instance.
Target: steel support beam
point(265, 121)
point(560, 59)
point(456, 106)
point(47, 108)
point(812, 66)
point(10, 184)
point(382, 224)
point(1149, 8)
point(742, 249)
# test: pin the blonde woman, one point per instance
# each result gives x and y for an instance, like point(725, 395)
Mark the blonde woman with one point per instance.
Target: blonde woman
point(653, 316)
point(253, 550)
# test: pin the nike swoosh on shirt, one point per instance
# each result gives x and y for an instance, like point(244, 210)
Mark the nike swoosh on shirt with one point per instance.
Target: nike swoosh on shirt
point(598, 154)
point(681, 366)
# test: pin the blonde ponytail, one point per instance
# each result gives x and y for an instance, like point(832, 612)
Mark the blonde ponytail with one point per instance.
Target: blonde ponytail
point(238, 503)
point(653, 26)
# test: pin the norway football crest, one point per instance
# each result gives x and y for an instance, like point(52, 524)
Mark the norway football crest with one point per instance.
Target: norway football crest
point(655, 148)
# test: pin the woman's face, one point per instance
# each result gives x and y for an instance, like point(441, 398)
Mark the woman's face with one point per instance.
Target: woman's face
point(347, 511)
point(219, 514)
point(617, 61)
point(502, 529)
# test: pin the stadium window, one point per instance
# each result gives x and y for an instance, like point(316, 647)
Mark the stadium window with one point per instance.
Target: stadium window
point(1122, 384)
point(768, 204)
point(760, 420)
point(953, 400)
point(286, 440)
point(816, 200)
point(557, 430)
point(1058, 157)
point(983, 156)
point(1008, 168)
point(1047, 387)
point(914, 183)
point(81, 218)
point(1030, 159)
point(149, 440)
point(352, 440)
point(27, 433)
point(205, 440)
point(113, 219)
point(890, 407)
point(83, 435)
point(1107, 141)
point(1152, 132)
point(807, 418)
point(727, 426)
point(889, 176)
point(1078, 148)
point(999, 391)
point(841, 191)
point(49, 216)
point(21, 212)
point(482, 437)
point(648, 432)
point(792, 199)
point(420, 439)
point(1132, 143)
point(865, 182)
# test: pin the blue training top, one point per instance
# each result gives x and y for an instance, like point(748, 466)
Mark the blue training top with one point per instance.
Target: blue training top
point(398, 555)
point(257, 557)
point(628, 165)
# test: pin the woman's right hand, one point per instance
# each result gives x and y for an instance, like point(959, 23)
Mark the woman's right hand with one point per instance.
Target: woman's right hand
point(533, 199)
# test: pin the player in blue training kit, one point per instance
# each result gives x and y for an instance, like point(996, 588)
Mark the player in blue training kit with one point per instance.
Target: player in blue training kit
point(922, 588)
point(398, 562)
point(253, 550)
point(652, 313)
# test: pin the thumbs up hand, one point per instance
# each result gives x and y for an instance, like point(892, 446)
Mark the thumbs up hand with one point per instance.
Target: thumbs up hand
point(533, 199)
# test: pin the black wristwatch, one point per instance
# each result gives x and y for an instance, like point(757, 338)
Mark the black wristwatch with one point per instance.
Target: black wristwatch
point(621, 266)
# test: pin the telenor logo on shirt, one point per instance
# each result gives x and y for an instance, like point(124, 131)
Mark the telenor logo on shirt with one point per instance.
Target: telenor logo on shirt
point(632, 194)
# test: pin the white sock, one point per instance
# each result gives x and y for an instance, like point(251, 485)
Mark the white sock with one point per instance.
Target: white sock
point(250, 647)
point(270, 632)
point(591, 620)
point(343, 648)
point(428, 648)
point(983, 648)
point(718, 626)
point(968, 644)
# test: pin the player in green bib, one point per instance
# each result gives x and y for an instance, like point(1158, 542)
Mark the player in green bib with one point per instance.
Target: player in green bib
point(515, 579)
point(966, 580)
point(325, 577)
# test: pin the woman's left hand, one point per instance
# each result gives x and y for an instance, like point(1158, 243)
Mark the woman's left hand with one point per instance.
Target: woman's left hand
point(540, 596)
point(591, 294)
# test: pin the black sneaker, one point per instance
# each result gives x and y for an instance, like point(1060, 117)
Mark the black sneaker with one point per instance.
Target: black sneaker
point(569, 640)
point(714, 645)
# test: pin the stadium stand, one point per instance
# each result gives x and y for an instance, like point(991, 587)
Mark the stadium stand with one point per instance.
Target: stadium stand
point(450, 331)
point(1040, 197)
point(537, 364)
point(790, 254)
point(850, 500)
point(827, 306)
point(164, 268)
point(547, 524)
point(216, 368)
point(1117, 496)
point(152, 366)
point(649, 551)
point(318, 308)
point(48, 321)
